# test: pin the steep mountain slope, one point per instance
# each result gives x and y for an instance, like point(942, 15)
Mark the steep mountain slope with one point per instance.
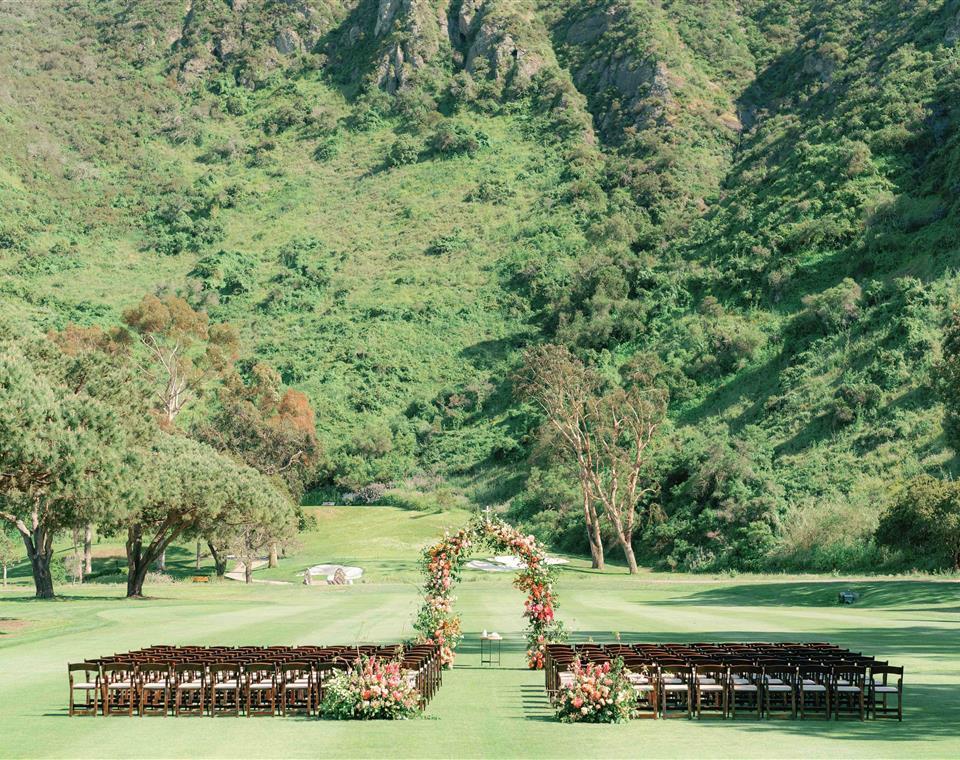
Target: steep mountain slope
point(391, 197)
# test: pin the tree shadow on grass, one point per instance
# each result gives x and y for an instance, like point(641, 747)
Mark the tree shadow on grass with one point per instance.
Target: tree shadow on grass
point(824, 594)
point(927, 716)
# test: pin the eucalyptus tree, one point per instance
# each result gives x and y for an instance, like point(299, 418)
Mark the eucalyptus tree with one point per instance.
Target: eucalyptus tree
point(607, 429)
point(185, 353)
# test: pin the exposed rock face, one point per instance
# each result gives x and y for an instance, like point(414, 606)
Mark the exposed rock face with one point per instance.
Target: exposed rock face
point(644, 87)
point(469, 9)
point(386, 13)
point(495, 52)
point(287, 42)
point(414, 31)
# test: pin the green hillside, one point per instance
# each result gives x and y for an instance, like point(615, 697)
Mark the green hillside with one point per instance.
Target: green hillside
point(756, 201)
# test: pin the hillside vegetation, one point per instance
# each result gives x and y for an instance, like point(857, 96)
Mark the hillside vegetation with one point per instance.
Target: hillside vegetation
point(757, 202)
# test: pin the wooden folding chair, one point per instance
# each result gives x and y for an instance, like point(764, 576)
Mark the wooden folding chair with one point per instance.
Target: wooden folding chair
point(644, 678)
point(260, 685)
point(119, 682)
point(814, 689)
point(88, 686)
point(153, 684)
point(710, 687)
point(779, 688)
point(745, 689)
point(190, 688)
point(849, 690)
point(225, 688)
point(676, 686)
point(879, 691)
point(297, 688)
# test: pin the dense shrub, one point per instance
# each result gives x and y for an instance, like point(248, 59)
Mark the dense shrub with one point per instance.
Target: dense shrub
point(451, 139)
point(924, 522)
point(835, 308)
point(720, 504)
point(405, 150)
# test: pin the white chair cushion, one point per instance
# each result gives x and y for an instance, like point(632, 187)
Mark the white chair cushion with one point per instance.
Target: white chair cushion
point(298, 685)
point(770, 679)
point(744, 687)
point(849, 689)
point(710, 687)
point(120, 685)
point(225, 686)
point(671, 679)
point(191, 685)
point(154, 686)
point(262, 685)
point(675, 687)
point(643, 687)
point(86, 686)
point(779, 687)
point(885, 689)
point(813, 687)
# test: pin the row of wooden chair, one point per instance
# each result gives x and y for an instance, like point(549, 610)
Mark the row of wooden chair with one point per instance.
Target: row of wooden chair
point(759, 679)
point(166, 680)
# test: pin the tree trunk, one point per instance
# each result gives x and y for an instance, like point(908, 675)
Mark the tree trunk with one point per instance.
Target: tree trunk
point(39, 546)
point(628, 553)
point(140, 558)
point(248, 571)
point(4, 576)
point(42, 580)
point(219, 561)
point(162, 561)
point(198, 554)
point(136, 566)
point(77, 568)
point(273, 556)
point(593, 532)
point(88, 549)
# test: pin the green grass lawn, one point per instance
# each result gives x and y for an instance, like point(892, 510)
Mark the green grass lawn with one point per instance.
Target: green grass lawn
point(478, 712)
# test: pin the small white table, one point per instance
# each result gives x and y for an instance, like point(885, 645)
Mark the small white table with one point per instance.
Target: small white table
point(486, 648)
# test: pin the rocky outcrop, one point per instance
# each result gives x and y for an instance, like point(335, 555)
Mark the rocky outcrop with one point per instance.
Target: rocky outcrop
point(469, 10)
point(288, 42)
point(490, 33)
point(495, 52)
point(643, 86)
point(413, 33)
point(256, 34)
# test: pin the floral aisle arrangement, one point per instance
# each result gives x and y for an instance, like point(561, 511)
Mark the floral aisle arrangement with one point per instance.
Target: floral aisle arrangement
point(600, 693)
point(442, 565)
point(373, 689)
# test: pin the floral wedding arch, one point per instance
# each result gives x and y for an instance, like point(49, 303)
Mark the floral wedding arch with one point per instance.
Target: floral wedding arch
point(443, 563)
